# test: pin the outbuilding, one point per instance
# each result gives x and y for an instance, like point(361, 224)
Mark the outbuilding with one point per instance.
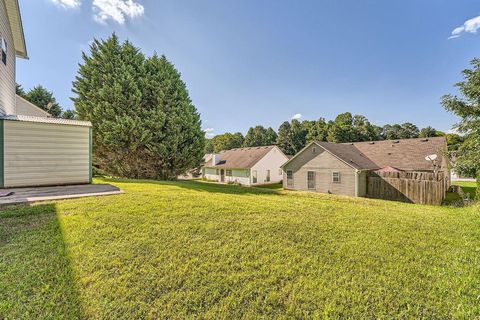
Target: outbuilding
point(35, 149)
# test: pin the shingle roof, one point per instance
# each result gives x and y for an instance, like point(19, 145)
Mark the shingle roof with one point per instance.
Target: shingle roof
point(240, 158)
point(403, 154)
point(349, 154)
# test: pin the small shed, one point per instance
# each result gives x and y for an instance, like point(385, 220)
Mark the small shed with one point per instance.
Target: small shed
point(39, 151)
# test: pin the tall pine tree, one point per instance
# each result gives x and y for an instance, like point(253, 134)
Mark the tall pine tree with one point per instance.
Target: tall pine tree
point(144, 124)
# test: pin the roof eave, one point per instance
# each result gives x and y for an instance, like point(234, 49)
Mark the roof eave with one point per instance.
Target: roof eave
point(16, 26)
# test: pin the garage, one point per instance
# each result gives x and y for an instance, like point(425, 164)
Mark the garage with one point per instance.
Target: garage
point(38, 151)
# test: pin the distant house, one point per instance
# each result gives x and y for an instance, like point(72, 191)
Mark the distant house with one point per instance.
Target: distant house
point(344, 168)
point(247, 166)
point(36, 149)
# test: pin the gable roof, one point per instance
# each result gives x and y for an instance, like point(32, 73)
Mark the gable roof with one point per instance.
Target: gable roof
point(241, 158)
point(348, 154)
point(403, 154)
point(15, 22)
point(26, 108)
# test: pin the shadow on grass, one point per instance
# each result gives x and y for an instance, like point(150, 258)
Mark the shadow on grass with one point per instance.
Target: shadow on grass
point(36, 277)
point(202, 186)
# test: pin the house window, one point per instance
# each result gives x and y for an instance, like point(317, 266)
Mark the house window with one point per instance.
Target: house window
point(268, 176)
point(311, 179)
point(4, 51)
point(314, 150)
point(217, 172)
point(289, 178)
point(229, 173)
point(254, 176)
point(336, 177)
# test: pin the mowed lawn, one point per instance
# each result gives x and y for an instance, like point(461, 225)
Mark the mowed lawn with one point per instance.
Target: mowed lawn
point(200, 250)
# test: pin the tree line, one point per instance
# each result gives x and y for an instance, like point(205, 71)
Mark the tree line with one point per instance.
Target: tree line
point(292, 136)
point(45, 100)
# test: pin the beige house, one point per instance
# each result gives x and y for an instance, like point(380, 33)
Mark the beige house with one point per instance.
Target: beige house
point(247, 166)
point(35, 149)
point(343, 168)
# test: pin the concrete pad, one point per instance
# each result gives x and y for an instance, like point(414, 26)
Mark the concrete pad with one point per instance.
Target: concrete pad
point(33, 194)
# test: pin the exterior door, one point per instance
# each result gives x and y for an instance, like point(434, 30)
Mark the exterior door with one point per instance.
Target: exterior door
point(222, 175)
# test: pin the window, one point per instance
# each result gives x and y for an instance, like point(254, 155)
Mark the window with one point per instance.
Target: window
point(217, 172)
point(267, 179)
point(311, 179)
point(314, 150)
point(289, 178)
point(229, 173)
point(280, 172)
point(4, 51)
point(336, 177)
point(254, 176)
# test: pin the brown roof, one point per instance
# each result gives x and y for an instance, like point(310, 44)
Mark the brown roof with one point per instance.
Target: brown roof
point(349, 154)
point(403, 154)
point(240, 158)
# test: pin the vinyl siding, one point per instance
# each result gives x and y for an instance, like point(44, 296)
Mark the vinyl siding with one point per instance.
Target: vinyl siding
point(7, 72)
point(272, 161)
point(241, 176)
point(323, 164)
point(45, 154)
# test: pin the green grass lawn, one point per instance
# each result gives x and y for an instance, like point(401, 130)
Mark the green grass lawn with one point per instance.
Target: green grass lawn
point(467, 186)
point(200, 250)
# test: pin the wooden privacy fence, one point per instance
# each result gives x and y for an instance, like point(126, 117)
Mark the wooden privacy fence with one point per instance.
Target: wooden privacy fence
point(413, 187)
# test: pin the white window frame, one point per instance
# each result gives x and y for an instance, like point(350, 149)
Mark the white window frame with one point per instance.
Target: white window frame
point(289, 180)
point(254, 176)
point(267, 177)
point(227, 173)
point(336, 177)
point(311, 173)
point(314, 150)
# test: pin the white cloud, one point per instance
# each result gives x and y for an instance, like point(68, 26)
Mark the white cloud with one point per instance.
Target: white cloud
point(469, 26)
point(116, 10)
point(297, 116)
point(67, 4)
point(209, 132)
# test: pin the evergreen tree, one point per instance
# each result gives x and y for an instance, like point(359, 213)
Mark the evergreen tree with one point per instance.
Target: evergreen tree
point(144, 123)
point(259, 136)
point(466, 107)
point(209, 148)
point(43, 99)
point(316, 130)
point(291, 137)
point(69, 114)
point(19, 90)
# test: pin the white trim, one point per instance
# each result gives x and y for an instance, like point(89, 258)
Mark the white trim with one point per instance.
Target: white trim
point(47, 120)
point(307, 146)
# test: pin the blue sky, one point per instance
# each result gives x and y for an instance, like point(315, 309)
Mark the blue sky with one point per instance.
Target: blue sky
point(262, 62)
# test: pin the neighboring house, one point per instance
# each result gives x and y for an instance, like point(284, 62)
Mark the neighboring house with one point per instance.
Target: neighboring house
point(34, 148)
point(196, 173)
point(343, 168)
point(247, 166)
point(26, 108)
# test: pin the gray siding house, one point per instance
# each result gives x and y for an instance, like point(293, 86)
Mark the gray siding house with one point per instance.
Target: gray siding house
point(342, 168)
point(35, 149)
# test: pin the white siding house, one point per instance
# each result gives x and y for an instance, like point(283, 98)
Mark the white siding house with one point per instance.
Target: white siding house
point(35, 149)
point(246, 166)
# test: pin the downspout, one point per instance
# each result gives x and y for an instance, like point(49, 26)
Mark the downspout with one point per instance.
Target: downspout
point(357, 181)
